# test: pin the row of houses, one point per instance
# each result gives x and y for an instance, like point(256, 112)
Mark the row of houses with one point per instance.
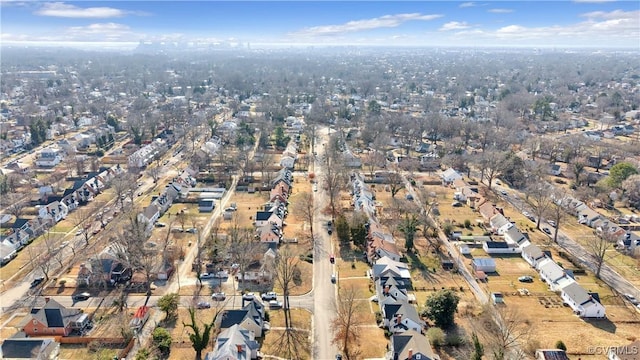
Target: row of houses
point(392, 281)
point(583, 303)
point(240, 327)
point(54, 208)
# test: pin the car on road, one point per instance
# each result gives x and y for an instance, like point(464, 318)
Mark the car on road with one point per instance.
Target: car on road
point(271, 295)
point(248, 296)
point(632, 299)
point(338, 357)
point(526, 279)
point(315, 187)
point(332, 259)
point(192, 230)
point(203, 305)
point(219, 296)
point(275, 304)
point(504, 192)
point(551, 222)
point(498, 182)
point(207, 276)
point(160, 224)
point(79, 232)
point(456, 204)
point(333, 278)
point(82, 296)
point(547, 231)
point(37, 281)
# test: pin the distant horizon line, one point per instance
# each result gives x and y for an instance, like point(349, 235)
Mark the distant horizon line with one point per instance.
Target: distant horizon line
point(247, 45)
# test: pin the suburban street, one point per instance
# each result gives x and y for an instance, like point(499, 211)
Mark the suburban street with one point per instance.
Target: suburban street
point(324, 292)
point(607, 273)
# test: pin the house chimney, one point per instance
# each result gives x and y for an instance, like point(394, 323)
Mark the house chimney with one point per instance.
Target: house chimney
point(399, 319)
point(239, 348)
point(46, 299)
point(410, 355)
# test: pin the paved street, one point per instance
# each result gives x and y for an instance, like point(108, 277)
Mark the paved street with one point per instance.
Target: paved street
point(324, 292)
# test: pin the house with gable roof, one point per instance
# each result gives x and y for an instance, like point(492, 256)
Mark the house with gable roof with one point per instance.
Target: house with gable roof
point(553, 274)
point(400, 317)
point(234, 343)
point(22, 347)
point(54, 319)
point(582, 303)
point(533, 255)
point(410, 345)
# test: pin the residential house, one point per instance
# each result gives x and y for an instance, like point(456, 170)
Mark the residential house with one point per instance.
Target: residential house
point(625, 352)
point(400, 317)
point(23, 348)
point(206, 205)
point(449, 175)
point(350, 160)
point(500, 224)
point(588, 216)
point(287, 161)
point(487, 265)
point(380, 245)
point(551, 354)
point(54, 212)
point(150, 215)
point(532, 254)
point(410, 345)
point(500, 247)
point(54, 319)
point(553, 274)
point(582, 303)
point(487, 210)
point(267, 218)
point(234, 343)
point(245, 318)
point(386, 267)
point(269, 233)
point(7, 253)
point(515, 237)
point(555, 170)
point(49, 157)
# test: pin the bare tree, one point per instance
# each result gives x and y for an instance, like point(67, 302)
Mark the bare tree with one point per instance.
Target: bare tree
point(121, 185)
point(506, 331)
point(396, 183)
point(598, 245)
point(334, 177)
point(557, 213)
point(287, 276)
point(306, 209)
point(15, 204)
point(347, 321)
point(540, 199)
point(243, 247)
point(80, 215)
point(155, 172)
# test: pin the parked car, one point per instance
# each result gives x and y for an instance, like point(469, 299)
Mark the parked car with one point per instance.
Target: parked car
point(192, 230)
point(248, 296)
point(221, 275)
point(271, 295)
point(338, 357)
point(206, 276)
point(456, 204)
point(37, 281)
point(333, 278)
point(632, 299)
point(332, 259)
point(275, 304)
point(82, 296)
point(219, 296)
point(160, 224)
point(504, 192)
point(551, 222)
point(547, 231)
point(527, 279)
point(203, 305)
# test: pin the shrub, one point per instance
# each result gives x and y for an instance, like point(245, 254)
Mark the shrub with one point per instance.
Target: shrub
point(467, 223)
point(436, 336)
point(455, 340)
point(560, 345)
point(559, 181)
point(378, 317)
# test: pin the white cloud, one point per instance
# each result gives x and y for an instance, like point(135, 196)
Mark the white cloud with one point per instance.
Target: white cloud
point(59, 9)
point(387, 21)
point(100, 32)
point(467, 4)
point(500, 11)
point(454, 25)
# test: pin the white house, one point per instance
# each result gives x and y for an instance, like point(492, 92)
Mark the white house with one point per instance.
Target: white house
point(583, 304)
point(532, 254)
point(267, 217)
point(287, 161)
point(449, 175)
point(515, 237)
point(500, 247)
point(553, 274)
point(49, 157)
point(500, 224)
point(54, 211)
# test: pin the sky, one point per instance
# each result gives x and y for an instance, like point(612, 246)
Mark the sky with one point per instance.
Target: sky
point(596, 24)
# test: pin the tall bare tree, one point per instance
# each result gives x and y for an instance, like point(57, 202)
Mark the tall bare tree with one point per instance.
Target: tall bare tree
point(306, 209)
point(287, 276)
point(346, 323)
point(540, 199)
point(506, 331)
point(599, 245)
